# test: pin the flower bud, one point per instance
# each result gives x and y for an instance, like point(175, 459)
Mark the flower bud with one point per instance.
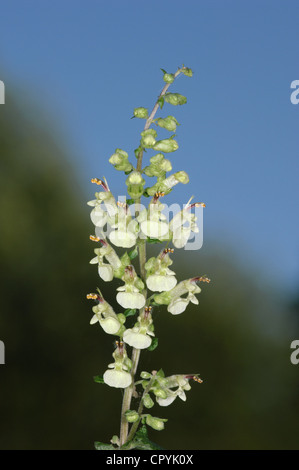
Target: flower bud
point(147, 401)
point(175, 99)
point(120, 161)
point(159, 166)
point(135, 184)
point(155, 423)
point(166, 145)
point(132, 416)
point(186, 71)
point(148, 138)
point(168, 77)
point(159, 392)
point(168, 123)
point(145, 375)
point(141, 113)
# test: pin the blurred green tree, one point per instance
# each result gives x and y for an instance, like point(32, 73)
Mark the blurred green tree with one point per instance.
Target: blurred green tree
point(237, 338)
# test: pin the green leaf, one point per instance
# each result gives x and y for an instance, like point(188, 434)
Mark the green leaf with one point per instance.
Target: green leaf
point(153, 240)
point(102, 446)
point(164, 71)
point(129, 312)
point(154, 344)
point(98, 379)
point(130, 202)
point(141, 441)
point(161, 102)
point(133, 254)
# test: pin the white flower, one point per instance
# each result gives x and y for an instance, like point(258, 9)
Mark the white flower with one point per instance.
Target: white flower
point(110, 324)
point(136, 339)
point(183, 224)
point(117, 378)
point(160, 283)
point(153, 224)
point(105, 270)
point(182, 384)
point(178, 306)
point(130, 299)
point(159, 277)
point(125, 229)
point(105, 315)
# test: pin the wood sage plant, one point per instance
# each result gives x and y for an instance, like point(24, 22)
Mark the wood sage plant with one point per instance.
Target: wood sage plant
point(148, 284)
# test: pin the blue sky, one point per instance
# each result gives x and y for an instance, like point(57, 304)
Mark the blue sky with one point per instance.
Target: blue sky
point(89, 63)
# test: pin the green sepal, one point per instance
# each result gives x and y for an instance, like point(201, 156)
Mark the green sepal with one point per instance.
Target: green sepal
point(154, 344)
point(133, 254)
point(161, 101)
point(160, 373)
point(98, 379)
point(153, 240)
point(129, 312)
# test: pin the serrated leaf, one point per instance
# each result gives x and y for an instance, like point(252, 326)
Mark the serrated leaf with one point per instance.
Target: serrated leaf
point(98, 379)
point(154, 344)
point(129, 312)
point(102, 446)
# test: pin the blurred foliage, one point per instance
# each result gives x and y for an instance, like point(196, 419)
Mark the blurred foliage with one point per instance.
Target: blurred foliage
point(237, 338)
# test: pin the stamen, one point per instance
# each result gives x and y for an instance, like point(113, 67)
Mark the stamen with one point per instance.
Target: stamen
point(196, 204)
point(201, 279)
point(92, 296)
point(100, 183)
point(94, 239)
point(197, 379)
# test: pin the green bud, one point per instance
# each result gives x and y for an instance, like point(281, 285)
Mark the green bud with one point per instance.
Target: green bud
point(132, 416)
point(121, 318)
point(120, 161)
point(141, 113)
point(159, 392)
point(148, 138)
point(145, 375)
point(175, 99)
point(168, 123)
point(155, 423)
point(186, 71)
point(163, 299)
point(158, 167)
point(166, 145)
point(135, 184)
point(168, 77)
point(147, 401)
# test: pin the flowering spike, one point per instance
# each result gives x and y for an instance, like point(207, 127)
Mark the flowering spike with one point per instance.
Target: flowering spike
point(117, 226)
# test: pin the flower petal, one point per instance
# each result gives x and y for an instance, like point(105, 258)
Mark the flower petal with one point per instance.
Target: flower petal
point(158, 283)
point(131, 300)
point(117, 378)
point(136, 340)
